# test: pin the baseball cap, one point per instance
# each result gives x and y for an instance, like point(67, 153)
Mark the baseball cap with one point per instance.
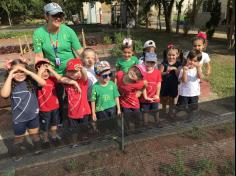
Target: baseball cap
point(149, 43)
point(52, 8)
point(74, 64)
point(150, 57)
point(142, 69)
point(42, 60)
point(101, 66)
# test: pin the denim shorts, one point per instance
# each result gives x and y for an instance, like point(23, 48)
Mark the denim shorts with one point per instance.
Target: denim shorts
point(21, 127)
point(107, 113)
point(149, 107)
point(128, 110)
point(75, 123)
point(48, 119)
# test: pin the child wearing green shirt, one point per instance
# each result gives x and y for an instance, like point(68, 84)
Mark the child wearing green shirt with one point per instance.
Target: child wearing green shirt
point(105, 95)
point(128, 60)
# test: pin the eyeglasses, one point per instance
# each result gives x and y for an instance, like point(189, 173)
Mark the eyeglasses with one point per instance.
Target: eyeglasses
point(58, 15)
point(106, 75)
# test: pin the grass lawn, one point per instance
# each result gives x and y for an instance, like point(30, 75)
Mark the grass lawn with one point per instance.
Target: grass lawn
point(222, 78)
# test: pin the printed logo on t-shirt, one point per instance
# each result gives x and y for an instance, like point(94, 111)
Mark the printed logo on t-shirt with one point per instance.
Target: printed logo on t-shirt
point(17, 96)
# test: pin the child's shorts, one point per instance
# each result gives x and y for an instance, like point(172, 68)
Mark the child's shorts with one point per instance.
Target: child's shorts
point(187, 102)
point(20, 128)
point(76, 122)
point(48, 119)
point(149, 107)
point(107, 113)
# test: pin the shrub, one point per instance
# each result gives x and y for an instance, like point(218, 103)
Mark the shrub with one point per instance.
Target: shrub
point(107, 40)
point(71, 165)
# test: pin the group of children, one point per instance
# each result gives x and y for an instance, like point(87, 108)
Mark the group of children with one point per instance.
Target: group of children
point(94, 92)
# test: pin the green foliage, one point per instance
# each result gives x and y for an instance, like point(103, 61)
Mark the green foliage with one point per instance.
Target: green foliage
point(195, 133)
point(215, 18)
point(9, 172)
point(71, 165)
point(176, 168)
point(6, 35)
point(222, 78)
point(227, 128)
point(126, 173)
point(107, 40)
point(228, 169)
point(204, 166)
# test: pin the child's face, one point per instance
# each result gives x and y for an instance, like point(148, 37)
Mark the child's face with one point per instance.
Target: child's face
point(127, 53)
point(45, 74)
point(172, 56)
point(132, 74)
point(74, 74)
point(192, 63)
point(19, 75)
point(150, 65)
point(89, 59)
point(198, 45)
point(105, 77)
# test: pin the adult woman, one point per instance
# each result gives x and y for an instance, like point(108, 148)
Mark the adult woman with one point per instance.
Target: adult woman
point(56, 42)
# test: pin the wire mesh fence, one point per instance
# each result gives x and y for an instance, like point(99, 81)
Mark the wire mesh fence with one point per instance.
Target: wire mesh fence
point(120, 133)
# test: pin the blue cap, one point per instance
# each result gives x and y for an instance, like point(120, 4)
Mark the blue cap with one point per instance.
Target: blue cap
point(52, 8)
point(152, 57)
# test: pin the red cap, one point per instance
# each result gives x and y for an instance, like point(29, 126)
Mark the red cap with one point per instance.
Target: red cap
point(41, 60)
point(142, 69)
point(74, 64)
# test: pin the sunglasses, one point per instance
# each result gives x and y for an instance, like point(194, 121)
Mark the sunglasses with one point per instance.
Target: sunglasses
point(58, 15)
point(106, 75)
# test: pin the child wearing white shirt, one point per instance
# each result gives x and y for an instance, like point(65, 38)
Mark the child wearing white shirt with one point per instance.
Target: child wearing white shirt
point(189, 77)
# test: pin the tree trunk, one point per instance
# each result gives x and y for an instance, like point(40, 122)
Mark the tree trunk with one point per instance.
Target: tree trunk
point(9, 19)
point(178, 20)
point(137, 13)
point(159, 16)
point(231, 25)
point(179, 8)
point(168, 13)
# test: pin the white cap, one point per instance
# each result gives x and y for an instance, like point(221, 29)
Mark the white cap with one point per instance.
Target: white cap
point(149, 43)
point(52, 8)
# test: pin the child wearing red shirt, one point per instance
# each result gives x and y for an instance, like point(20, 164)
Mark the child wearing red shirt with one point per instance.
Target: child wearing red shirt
point(78, 106)
point(151, 98)
point(47, 98)
point(130, 85)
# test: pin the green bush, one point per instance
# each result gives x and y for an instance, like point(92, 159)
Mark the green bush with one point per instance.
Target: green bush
point(176, 168)
point(71, 165)
point(107, 40)
point(228, 169)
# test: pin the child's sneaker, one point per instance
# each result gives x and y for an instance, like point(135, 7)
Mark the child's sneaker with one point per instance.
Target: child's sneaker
point(17, 152)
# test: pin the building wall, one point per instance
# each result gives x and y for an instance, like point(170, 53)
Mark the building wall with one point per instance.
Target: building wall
point(99, 13)
point(203, 17)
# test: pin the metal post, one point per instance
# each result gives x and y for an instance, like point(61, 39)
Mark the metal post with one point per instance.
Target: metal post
point(122, 133)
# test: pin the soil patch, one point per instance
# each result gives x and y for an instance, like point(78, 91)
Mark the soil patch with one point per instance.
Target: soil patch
point(213, 145)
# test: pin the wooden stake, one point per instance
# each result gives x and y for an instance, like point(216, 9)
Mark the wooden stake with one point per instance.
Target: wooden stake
point(21, 51)
point(29, 49)
point(83, 38)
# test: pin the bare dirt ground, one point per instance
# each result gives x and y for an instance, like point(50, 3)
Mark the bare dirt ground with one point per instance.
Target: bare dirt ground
point(215, 145)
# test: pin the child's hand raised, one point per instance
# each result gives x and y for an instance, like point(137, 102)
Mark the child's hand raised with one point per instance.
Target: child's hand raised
point(76, 85)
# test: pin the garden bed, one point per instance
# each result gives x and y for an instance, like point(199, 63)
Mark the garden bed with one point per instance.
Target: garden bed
point(206, 150)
